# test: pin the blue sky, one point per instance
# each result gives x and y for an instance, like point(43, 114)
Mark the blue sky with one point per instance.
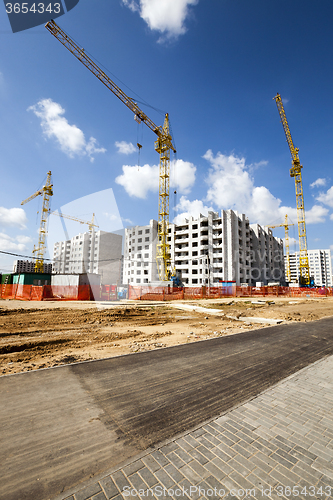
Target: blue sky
point(214, 66)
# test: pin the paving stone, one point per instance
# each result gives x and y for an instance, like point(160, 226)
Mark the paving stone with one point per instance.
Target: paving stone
point(150, 462)
point(175, 459)
point(271, 481)
point(245, 437)
point(284, 458)
point(198, 456)
point(160, 458)
point(168, 448)
point(326, 454)
point(221, 454)
point(189, 473)
point(184, 444)
point(198, 433)
point(99, 496)
point(198, 468)
point(148, 477)
point(133, 467)
point(120, 480)
point(265, 443)
point(193, 491)
point(229, 451)
point(213, 429)
point(220, 464)
point(292, 476)
point(109, 488)
point(215, 471)
point(242, 451)
point(212, 439)
point(207, 453)
point(137, 482)
point(174, 472)
point(164, 478)
point(190, 440)
point(88, 492)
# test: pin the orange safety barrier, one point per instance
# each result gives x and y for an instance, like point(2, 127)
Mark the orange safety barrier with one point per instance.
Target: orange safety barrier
point(191, 293)
point(109, 292)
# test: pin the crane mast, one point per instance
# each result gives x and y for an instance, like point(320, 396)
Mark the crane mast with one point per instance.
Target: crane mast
point(286, 226)
point(163, 145)
point(295, 172)
point(46, 191)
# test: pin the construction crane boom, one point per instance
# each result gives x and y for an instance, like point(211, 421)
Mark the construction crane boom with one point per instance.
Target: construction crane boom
point(163, 145)
point(286, 226)
point(295, 172)
point(91, 223)
point(46, 191)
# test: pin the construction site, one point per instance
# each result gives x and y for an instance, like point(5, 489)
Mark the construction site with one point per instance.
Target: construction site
point(176, 346)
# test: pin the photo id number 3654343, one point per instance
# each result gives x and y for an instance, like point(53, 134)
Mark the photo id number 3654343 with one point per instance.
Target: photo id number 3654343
point(310, 491)
point(35, 8)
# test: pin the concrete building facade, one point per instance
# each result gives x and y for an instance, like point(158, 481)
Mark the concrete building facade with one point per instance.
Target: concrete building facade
point(97, 252)
point(320, 265)
point(139, 265)
point(28, 266)
point(209, 250)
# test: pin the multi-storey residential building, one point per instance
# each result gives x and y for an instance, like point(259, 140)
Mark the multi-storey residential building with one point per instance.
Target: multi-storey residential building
point(97, 252)
point(28, 266)
point(320, 265)
point(140, 254)
point(209, 250)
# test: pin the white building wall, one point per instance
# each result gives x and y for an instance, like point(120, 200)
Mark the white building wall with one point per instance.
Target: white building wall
point(139, 265)
point(97, 252)
point(205, 251)
point(320, 265)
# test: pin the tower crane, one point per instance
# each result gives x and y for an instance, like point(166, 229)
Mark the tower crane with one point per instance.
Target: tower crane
point(286, 226)
point(91, 223)
point(46, 191)
point(295, 172)
point(163, 145)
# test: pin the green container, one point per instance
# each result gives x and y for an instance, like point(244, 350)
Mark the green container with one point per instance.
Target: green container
point(9, 280)
point(37, 279)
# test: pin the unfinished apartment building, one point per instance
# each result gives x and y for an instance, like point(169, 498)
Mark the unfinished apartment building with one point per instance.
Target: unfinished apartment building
point(96, 252)
point(320, 265)
point(140, 254)
point(210, 250)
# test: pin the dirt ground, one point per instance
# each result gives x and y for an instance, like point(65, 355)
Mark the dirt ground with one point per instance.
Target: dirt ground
point(37, 335)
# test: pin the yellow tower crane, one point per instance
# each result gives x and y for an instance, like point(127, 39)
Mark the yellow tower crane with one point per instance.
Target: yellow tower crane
point(91, 223)
point(46, 191)
point(286, 226)
point(295, 172)
point(163, 145)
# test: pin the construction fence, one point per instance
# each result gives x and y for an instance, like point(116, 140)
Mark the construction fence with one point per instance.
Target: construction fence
point(205, 292)
point(110, 292)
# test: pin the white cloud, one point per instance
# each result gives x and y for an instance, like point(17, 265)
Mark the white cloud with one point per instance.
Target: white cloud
point(137, 181)
point(190, 208)
point(331, 216)
point(326, 198)
point(17, 244)
point(316, 214)
point(70, 138)
point(230, 185)
point(319, 182)
point(13, 217)
point(166, 16)
point(182, 175)
point(127, 221)
point(125, 148)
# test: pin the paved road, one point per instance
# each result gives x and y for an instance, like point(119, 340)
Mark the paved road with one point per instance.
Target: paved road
point(63, 425)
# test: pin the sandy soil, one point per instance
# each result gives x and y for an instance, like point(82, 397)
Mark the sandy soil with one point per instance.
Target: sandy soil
point(43, 334)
